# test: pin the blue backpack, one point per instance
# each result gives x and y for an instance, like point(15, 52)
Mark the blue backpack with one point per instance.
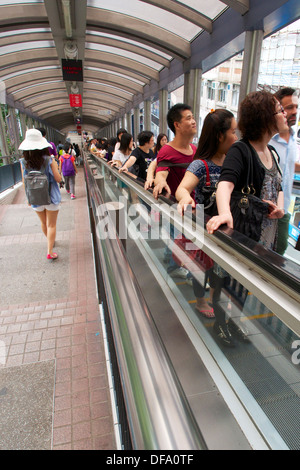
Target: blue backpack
point(67, 166)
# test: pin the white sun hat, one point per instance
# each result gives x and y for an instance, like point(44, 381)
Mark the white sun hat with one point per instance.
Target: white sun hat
point(34, 141)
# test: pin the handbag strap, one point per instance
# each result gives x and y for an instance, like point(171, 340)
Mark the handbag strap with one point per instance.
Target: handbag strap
point(207, 172)
point(249, 181)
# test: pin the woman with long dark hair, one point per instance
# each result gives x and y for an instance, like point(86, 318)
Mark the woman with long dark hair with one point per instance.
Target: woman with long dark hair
point(162, 139)
point(121, 155)
point(217, 136)
point(36, 157)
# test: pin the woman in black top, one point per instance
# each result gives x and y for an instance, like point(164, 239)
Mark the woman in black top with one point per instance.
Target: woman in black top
point(261, 116)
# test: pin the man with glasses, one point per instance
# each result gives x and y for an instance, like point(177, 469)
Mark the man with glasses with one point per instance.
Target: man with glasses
point(286, 146)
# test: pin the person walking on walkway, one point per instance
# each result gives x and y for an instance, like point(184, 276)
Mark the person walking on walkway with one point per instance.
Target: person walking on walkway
point(36, 157)
point(68, 168)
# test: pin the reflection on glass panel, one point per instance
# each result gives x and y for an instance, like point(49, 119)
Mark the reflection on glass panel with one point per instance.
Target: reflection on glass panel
point(220, 87)
point(25, 46)
point(279, 64)
point(129, 41)
point(124, 53)
point(150, 14)
point(258, 354)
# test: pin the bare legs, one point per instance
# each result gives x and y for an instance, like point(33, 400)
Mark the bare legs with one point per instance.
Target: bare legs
point(48, 222)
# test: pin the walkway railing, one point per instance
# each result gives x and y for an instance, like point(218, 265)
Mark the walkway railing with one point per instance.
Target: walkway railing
point(159, 416)
point(10, 175)
point(262, 289)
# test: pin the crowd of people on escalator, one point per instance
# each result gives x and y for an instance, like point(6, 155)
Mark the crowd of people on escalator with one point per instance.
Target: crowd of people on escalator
point(261, 163)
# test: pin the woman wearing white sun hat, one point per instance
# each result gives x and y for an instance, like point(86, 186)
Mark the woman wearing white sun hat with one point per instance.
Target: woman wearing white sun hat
point(35, 151)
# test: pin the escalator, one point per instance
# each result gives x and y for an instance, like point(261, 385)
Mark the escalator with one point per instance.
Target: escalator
point(243, 397)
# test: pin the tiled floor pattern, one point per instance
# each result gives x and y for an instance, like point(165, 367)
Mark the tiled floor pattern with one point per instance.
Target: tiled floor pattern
point(68, 330)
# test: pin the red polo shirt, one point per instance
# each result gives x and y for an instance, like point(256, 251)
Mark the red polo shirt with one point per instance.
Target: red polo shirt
point(175, 173)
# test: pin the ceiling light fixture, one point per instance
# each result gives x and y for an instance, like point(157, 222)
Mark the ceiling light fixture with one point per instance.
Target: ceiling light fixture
point(71, 50)
point(66, 6)
point(74, 88)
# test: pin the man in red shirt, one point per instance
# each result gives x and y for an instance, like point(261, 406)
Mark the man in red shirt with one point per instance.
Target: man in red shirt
point(180, 150)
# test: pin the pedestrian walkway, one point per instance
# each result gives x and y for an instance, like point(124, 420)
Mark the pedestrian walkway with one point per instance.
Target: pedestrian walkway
point(54, 391)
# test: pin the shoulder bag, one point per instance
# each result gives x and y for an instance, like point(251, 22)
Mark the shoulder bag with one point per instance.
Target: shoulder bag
point(248, 210)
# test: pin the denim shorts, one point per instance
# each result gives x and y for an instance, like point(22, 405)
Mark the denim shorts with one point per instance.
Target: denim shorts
point(48, 207)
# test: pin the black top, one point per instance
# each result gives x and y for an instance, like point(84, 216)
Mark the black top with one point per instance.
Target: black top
point(235, 167)
point(141, 164)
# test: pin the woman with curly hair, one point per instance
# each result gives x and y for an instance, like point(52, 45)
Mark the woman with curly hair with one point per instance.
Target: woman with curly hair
point(261, 116)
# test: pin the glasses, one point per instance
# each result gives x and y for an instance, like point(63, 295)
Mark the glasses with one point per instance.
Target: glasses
point(281, 110)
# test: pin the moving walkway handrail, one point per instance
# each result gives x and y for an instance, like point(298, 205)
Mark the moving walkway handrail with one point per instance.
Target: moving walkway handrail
point(285, 269)
point(272, 278)
point(158, 412)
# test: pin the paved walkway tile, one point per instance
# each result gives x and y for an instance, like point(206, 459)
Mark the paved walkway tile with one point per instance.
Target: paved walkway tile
point(49, 312)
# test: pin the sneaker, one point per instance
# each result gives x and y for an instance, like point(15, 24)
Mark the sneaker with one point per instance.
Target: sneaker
point(73, 196)
point(224, 334)
point(179, 272)
point(68, 191)
point(238, 332)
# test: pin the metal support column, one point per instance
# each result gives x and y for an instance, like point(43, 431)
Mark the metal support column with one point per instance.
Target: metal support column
point(136, 123)
point(3, 141)
point(252, 53)
point(163, 111)
point(128, 123)
point(192, 92)
point(147, 115)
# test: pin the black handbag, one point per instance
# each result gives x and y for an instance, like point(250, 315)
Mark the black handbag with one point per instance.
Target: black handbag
point(248, 210)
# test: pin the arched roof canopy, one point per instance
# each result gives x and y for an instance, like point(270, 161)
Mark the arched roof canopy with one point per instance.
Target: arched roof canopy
point(125, 48)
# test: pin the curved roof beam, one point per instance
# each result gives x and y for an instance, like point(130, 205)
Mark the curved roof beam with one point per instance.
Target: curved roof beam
point(128, 47)
point(88, 97)
point(184, 11)
point(127, 64)
point(37, 89)
point(33, 14)
point(29, 56)
point(241, 6)
point(105, 98)
point(115, 70)
point(61, 104)
point(110, 90)
point(14, 69)
point(25, 37)
point(138, 30)
point(118, 72)
point(29, 78)
point(42, 112)
point(93, 104)
point(43, 98)
point(106, 77)
point(64, 119)
point(96, 115)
